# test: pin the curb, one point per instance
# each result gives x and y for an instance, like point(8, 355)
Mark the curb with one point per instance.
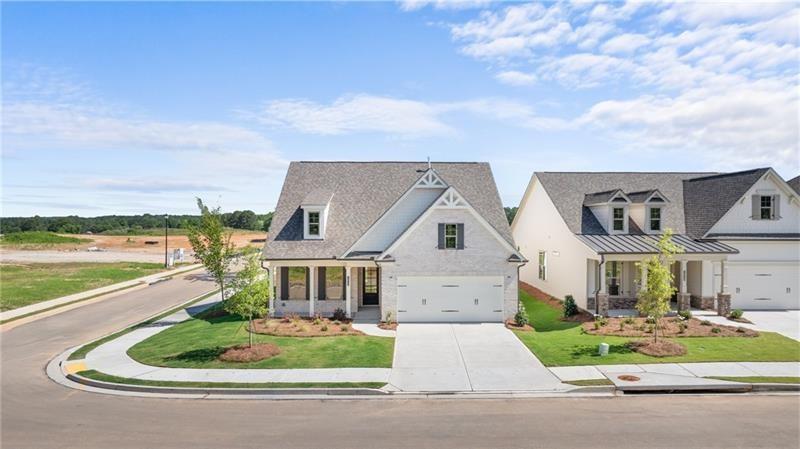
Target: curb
point(775, 387)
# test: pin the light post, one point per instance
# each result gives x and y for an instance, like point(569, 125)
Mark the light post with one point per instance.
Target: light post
point(166, 237)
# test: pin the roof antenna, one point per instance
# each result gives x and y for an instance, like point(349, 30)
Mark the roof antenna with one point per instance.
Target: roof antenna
point(429, 162)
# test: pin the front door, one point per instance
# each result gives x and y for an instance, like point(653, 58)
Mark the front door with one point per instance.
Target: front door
point(370, 286)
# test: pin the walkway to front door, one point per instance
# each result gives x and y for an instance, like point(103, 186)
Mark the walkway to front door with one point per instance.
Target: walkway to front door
point(466, 357)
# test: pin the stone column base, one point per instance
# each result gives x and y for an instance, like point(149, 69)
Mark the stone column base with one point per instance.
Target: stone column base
point(723, 304)
point(602, 304)
point(684, 300)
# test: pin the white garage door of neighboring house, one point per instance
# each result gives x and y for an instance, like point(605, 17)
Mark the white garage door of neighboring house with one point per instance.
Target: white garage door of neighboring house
point(449, 298)
point(764, 286)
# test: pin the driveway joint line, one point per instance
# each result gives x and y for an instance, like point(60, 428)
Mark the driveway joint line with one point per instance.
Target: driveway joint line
point(461, 354)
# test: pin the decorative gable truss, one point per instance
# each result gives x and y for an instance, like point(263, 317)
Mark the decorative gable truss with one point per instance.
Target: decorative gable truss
point(430, 180)
point(451, 199)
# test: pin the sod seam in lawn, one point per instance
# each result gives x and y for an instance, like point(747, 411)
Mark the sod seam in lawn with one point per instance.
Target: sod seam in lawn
point(103, 377)
point(562, 343)
point(25, 284)
point(196, 343)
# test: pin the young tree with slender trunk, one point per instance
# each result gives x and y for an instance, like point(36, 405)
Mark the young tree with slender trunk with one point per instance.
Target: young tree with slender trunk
point(251, 293)
point(212, 244)
point(653, 298)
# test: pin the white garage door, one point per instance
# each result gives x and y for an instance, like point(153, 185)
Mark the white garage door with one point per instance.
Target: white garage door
point(764, 286)
point(449, 298)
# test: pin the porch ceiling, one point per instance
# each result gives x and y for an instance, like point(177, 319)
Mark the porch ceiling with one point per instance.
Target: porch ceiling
point(646, 244)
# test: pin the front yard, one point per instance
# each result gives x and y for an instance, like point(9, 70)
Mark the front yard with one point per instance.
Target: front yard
point(564, 343)
point(198, 342)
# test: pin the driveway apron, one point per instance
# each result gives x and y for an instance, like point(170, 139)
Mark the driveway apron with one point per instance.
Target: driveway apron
point(466, 357)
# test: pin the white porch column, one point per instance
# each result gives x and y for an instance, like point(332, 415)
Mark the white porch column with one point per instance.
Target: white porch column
point(349, 287)
point(312, 282)
point(682, 285)
point(723, 278)
point(603, 277)
point(707, 283)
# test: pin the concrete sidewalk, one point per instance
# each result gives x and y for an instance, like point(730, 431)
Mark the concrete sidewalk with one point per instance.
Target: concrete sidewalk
point(108, 289)
point(112, 358)
point(694, 375)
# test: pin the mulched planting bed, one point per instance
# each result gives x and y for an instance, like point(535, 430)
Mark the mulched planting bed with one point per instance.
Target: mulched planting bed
point(244, 353)
point(387, 326)
point(581, 317)
point(669, 327)
point(304, 327)
point(661, 348)
point(513, 326)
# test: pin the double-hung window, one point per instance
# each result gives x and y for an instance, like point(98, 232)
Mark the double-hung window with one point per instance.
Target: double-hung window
point(313, 223)
point(618, 219)
point(451, 236)
point(655, 218)
point(543, 265)
point(767, 207)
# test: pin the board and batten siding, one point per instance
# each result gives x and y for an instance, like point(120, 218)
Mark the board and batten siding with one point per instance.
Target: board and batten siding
point(738, 219)
point(539, 227)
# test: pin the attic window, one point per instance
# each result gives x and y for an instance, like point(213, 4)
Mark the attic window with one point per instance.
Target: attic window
point(313, 223)
point(618, 219)
point(655, 218)
point(766, 207)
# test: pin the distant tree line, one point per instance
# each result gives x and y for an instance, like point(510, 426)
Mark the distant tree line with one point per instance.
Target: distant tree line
point(240, 219)
point(510, 213)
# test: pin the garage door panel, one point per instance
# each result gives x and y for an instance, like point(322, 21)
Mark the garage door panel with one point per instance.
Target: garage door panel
point(453, 299)
point(764, 286)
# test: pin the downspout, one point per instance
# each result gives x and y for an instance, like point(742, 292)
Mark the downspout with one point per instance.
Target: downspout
point(519, 266)
point(597, 284)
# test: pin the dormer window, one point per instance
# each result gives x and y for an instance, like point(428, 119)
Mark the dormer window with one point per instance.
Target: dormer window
point(618, 219)
point(655, 219)
point(313, 224)
point(766, 207)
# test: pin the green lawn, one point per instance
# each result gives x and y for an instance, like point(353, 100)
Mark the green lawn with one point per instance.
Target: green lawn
point(38, 238)
point(24, 284)
point(197, 342)
point(96, 375)
point(761, 379)
point(561, 343)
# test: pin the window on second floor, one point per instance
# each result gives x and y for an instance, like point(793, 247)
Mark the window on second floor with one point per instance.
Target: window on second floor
point(767, 207)
point(655, 218)
point(450, 236)
point(313, 223)
point(618, 219)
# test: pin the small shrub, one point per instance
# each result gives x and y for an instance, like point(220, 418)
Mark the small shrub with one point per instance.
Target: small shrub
point(715, 330)
point(622, 325)
point(685, 314)
point(596, 325)
point(641, 327)
point(740, 330)
point(602, 320)
point(317, 321)
point(388, 317)
point(629, 320)
point(521, 317)
point(649, 329)
point(337, 322)
point(344, 328)
point(737, 314)
point(682, 327)
point(324, 328)
point(294, 317)
point(705, 323)
point(339, 314)
point(570, 308)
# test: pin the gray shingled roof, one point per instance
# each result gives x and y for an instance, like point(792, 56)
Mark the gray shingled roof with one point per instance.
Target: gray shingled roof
point(361, 193)
point(569, 189)
point(794, 183)
point(647, 244)
point(706, 199)
point(599, 197)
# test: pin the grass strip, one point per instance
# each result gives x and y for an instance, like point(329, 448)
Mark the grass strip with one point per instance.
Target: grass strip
point(85, 349)
point(760, 379)
point(589, 382)
point(96, 375)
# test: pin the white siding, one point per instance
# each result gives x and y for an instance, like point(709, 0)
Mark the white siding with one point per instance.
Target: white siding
point(737, 220)
point(539, 227)
point(398, 219)
point(636, 213)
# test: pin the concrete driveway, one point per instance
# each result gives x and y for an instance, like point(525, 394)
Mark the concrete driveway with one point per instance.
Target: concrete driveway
point(466, 357)
point(784, 322)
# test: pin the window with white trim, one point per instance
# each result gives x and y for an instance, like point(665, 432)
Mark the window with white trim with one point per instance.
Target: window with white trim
point(543, 265)
point(313, 223)
point(767, 207)
point(655, 218)
point(451, 236)
point(618, 219)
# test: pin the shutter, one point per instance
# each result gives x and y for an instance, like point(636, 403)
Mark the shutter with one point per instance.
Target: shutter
point(756, 207)
point(308, 283)
point(284, 283)
point(460, 235)
point(776, 207)
point(441, 235)
point(321, 284)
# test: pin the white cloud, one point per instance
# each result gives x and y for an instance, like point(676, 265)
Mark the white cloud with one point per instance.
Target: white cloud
point(584, 70)
point(363, 113)
point(516, 78)
point(414, 5)
point(150, 185)
point(624, 43)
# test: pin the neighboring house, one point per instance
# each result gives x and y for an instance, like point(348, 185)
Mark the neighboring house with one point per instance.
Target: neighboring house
point(585, 233)
point(417, 241)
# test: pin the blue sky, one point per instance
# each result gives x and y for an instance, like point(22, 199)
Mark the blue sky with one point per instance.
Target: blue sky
point(140, 107)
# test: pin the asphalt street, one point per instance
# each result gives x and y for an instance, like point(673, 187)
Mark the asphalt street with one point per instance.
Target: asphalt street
point(38, 413)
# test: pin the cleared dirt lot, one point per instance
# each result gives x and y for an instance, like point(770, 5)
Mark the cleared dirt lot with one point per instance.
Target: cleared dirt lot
point(115, 248)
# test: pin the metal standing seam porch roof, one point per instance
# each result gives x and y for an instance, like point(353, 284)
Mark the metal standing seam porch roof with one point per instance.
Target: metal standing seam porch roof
point(646, 244)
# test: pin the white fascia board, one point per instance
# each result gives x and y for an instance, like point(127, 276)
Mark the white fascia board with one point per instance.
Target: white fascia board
point(467, 207)
point(394, 205)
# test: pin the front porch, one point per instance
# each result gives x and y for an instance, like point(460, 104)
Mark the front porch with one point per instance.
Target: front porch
point(614, 282)
point(309, 288)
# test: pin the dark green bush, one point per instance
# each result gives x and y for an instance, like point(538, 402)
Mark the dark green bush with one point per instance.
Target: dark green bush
point(570, 308)
point(521, 317)
point(737, 314)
